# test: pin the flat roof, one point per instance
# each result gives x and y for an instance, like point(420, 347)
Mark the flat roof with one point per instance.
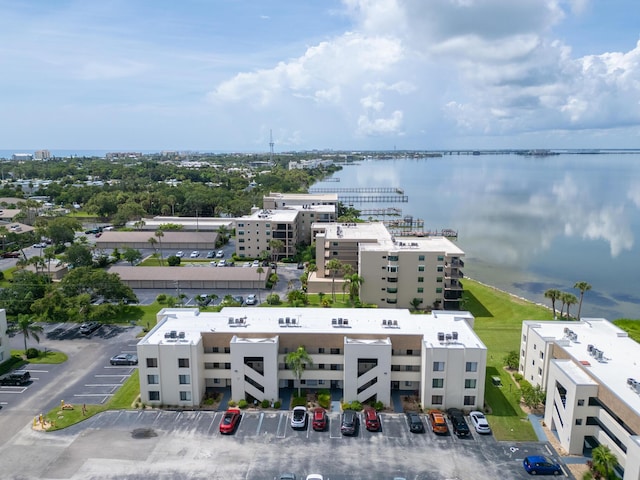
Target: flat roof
point(201, 271)
point(209, 223)
point(274, 215)
point(620, 359)
point(348, 322)
point(304, 197)
point(114, 236)
point(371, 231)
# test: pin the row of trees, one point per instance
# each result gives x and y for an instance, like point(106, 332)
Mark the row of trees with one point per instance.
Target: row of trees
point(567, 299)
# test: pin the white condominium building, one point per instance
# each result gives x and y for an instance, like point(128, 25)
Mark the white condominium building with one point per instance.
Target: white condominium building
point(365, 353)
point(590, 370)
point(398, 272)
point(5, 352)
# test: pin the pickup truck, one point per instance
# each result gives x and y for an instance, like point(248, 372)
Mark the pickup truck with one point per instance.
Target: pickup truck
point(15, 378)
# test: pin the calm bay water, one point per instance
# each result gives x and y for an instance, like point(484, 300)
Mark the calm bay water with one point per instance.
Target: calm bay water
point(528, 224)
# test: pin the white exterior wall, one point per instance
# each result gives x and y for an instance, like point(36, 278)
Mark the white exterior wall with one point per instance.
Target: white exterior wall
point(4, 338)
point(562, 415)
point(455, 373)
point(632, 470)
point(169, 373)
point(534, 366)
point(380, 350)
point(265, 348)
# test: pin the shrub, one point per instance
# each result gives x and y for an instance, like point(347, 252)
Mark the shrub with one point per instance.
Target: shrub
point(161, 298)
point(173, 261)
point(378, 406)
point(243, 403)
point(265, 403)
point(296, 401)
point(32, 353)
point(232, 403)
point(277, 404)
point(517, 377)
point(273, 299)
point(324, 399)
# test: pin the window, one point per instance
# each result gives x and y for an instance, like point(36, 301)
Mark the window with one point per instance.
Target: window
point(533, 362)
point(153, 379)
point(185, 396)
point(438, 290)
point(541, 355)
point(578, 421)
point(227, 366)
point(393, 258)
point(581, 402)
point(524, 338)
point(211, 365)
point(241, 240)
point(335, 351)
point(421, 268)
point(241, 224)
point(471, 367)
point(469, 399)
point(420, 279)
point(392, 289)
point(436, 399)
point(183, 363)
point(184, 379)
point(227, 349)
point(408, 384)
point(441, 258)
point(420, 290)
point(395, 368)
point(437, 383)
point(321, 366)
point(241, 249)
point(421, 258)
point(539, 371)
point(440, 268)
point(154, 396)
point(240, 232)
point(439, 279)
point(392, 280)
point(470, 383)
point(152, 363)
point(438, 366)
point(392, 269)
point(321, 350)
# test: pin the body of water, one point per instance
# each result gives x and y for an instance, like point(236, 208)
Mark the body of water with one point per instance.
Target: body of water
point(528, 223)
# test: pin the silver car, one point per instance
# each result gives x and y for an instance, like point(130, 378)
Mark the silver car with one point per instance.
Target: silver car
point(299, 417)
point(479, 422)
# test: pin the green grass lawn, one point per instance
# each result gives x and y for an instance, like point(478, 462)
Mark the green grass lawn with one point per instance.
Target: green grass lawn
point(632, 327)
point(45, 357)
point(498, 323)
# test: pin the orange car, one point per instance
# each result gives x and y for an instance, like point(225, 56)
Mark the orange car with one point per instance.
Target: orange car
point(438, 422)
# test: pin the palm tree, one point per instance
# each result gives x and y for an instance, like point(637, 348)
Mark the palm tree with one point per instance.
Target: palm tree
point(159, 233)
point(153, 242)
point(355, 281)
point(415, 303)
point(553, 294)
point(276, 245)
point(260, 271)
point(28, 328)
point(583, 287)
point(569, 299)
point(334, 266)
point(604, 461)
point(297, 361)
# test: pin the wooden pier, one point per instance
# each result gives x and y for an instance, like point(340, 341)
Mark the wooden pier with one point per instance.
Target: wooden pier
point(397, 190)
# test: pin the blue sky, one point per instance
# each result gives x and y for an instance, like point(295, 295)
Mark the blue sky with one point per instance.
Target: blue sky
point(218, 75)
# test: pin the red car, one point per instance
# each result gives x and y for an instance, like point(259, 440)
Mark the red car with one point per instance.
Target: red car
point(230, 420)
point(319, 419)
point(11, 255)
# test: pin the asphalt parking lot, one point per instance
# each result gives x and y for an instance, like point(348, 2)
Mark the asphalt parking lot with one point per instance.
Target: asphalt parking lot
point(187, 444)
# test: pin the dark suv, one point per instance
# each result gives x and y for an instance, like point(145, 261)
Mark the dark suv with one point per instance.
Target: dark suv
point(459, 424)
point(415, 423)
point(15, 378)
point(89, 327)
point(349, 425)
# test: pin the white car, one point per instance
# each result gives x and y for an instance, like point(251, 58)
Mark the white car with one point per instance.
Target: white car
point(220, 254)
point(222, 263)
point(315, 476)
point(213, 263)
point(251, 299)
point(246, 264)
point(299, 417)
point(479, 422)
point(256, 263)
point(180, 254)
point(195, 254)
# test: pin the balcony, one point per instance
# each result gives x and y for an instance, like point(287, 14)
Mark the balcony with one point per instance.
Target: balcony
point(453, 285)
point(455, 263)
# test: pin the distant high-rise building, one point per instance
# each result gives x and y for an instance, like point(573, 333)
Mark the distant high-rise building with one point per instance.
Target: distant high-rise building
point(42, 155)
point(21, 156)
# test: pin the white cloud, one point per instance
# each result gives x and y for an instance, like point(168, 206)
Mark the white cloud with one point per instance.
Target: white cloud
point(380, 126)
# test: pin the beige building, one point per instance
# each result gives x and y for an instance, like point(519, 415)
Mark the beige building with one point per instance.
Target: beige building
point(590, 371)
point(188, 224)
point(367, 354)
point(169, 242)
point(396, 270)
point(277, 201)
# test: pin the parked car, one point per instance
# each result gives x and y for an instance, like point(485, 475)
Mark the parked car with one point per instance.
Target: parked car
point(299, 417)
point(319, 419)
point(246, 264)
point(479, 422)
point(300, 266)
point(222, 263)
point(287, 476)
point(220, 254)
point(256, 263)
point(195, 254)
point(238, 299)
point(180, 254)
point(19, 377)
point(88, 328)
point(124, 359)
point(315, 476)
point(40, 245)
point(230, 420)
point(371, 420)
point(211, 254)
point(541, 465)
point(438, 422)
point(349, 424)
point(11, 255)
point(251, 299)
point(415, 423)
point(459, 424)
point(203, 300)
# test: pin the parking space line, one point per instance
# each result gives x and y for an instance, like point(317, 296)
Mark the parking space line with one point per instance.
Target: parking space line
point(260, 423)
point(102, 384)
point(93, 395)
point(284, 431)
point(101, 375)
point(36, 371)
point(20, 390)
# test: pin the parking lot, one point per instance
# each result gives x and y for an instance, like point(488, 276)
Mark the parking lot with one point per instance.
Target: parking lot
point(187, 444)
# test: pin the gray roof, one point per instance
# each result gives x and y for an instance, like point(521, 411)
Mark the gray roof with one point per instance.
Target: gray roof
point(113, 236)
point(204, 272)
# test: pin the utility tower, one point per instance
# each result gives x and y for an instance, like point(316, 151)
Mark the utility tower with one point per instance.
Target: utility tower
point(271, 147)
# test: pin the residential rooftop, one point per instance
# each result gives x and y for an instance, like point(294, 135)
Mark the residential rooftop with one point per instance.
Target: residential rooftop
point(620, 353)
point(441, 328)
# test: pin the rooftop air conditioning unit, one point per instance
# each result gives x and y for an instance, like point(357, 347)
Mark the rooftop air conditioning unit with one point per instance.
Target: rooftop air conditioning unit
point(590, 348)
point(441, 336)
point(395, 323)
point(384, 322)
point(454, 335)
point(448, 337)
point(180, 334)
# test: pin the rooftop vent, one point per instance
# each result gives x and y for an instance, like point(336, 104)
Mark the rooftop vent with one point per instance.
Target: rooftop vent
point(167, 334)
point(448, 337)
point(384, 322)
point(334, 321)
point(454, 335)
point(180, 334)
point(441, 336)
point(174, 334)
point(395, 323)
point(281, 321)
point(345, 321)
